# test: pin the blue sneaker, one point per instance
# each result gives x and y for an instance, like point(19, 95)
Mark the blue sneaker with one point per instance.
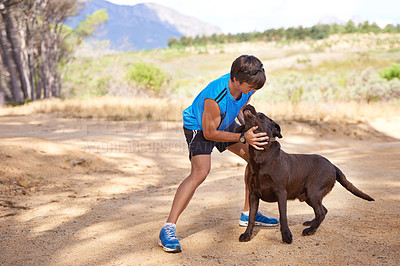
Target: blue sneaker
point(261, 220)
point(168, 240)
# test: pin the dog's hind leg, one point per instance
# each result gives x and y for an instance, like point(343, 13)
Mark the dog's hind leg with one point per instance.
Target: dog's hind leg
point(308, 223)
point(320, 212)
point(254, 202)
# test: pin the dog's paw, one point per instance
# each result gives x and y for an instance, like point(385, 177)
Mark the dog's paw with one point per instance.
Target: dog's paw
point(308, 223)
point(244, 237)
point(287, 237)
point(308, 232)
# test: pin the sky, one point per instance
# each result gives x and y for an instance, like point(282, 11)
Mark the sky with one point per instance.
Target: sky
point(235, 16)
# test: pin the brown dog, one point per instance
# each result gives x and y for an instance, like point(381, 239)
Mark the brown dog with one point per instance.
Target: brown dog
point(275, 175)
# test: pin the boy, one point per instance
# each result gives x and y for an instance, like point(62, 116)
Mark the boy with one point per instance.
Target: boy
point(210, 122)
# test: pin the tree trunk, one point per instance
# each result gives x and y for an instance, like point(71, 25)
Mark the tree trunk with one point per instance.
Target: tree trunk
point(44, 73)
point(16, 50)
point(3, 92)
point(30, 30)
point(57, 51)
point(25, 59)
point(2, 98)
point(38, 85)
point(8, 61)
point(60, 80)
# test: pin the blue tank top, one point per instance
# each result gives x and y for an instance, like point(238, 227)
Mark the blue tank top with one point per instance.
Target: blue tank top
point(217, 90)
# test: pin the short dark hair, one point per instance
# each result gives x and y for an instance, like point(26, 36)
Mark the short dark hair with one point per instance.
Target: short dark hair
point(247, 63)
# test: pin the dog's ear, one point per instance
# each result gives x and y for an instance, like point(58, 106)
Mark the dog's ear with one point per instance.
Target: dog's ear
point(239, 129)
point(276, 130)
point(250, 108)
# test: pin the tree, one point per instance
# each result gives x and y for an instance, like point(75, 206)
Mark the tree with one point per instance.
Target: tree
point(337, 28)
point(301, 33)
point(375, 28)
point(366, 27)
point(10, 50)
point(390, 28)
point(320, 31)
point(35, 42)
point(173, 41)
point(89, 25)
point(350, 27)
point(291, 33)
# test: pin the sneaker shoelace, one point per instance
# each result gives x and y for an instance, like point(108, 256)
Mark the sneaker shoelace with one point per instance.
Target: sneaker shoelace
point(170, 233)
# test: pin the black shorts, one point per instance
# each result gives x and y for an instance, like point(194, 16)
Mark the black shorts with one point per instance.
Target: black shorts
point(197, 144)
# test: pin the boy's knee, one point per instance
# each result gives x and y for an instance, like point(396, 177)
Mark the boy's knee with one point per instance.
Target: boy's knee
point(200, 175)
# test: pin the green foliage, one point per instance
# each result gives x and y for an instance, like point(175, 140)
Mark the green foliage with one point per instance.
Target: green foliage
point(101, 86)
point(391, 72)
point(173, 41)
point(337, 28)
point(87, 27)
point(296, 94)
point(76, 36)
point(352, 76)
point(146, 75)
point(392, 28)
point(316, 32)
point(350, 27)
point(365, 85)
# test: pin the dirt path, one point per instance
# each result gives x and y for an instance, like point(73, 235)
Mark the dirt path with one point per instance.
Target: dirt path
point(90, 192)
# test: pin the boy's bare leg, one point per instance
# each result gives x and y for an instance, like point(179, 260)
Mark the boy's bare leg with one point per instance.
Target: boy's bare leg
point(201, 165)
point(242, 150)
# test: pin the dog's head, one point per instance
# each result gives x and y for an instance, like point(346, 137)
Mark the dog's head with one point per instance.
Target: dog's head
point(264, 123)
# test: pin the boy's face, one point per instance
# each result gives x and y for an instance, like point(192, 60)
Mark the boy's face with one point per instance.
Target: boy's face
point(244, 87)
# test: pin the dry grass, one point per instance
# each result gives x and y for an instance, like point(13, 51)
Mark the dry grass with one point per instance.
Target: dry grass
point(111, 108)
point(163, 109)
point(351, 112)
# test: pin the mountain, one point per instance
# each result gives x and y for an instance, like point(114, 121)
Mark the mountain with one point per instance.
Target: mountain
point(142, 26)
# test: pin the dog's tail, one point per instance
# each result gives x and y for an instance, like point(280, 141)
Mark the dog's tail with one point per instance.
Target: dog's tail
point(341, 178)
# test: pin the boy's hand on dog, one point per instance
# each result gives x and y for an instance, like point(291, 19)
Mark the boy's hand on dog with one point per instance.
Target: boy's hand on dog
point(256, 140)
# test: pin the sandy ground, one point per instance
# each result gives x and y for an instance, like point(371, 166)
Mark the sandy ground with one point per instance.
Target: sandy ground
point(92, 192)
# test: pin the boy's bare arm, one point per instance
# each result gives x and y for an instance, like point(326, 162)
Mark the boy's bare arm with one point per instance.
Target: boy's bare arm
point(212, 119)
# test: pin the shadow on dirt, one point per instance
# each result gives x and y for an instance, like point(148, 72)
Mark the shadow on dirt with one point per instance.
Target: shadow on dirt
point(71, 222)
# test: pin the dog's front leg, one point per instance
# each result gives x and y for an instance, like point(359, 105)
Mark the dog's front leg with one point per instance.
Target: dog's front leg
point(253, 202)
point(282, 204)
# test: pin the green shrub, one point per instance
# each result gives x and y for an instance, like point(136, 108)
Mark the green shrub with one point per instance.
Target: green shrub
point(296, 94)
point(391, 72)
point(146, 75)
point(102, 85)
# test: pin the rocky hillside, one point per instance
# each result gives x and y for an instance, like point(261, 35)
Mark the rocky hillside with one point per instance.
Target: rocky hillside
point(142, 26)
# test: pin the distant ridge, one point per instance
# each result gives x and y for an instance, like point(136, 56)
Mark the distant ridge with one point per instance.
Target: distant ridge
point(142, 26)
